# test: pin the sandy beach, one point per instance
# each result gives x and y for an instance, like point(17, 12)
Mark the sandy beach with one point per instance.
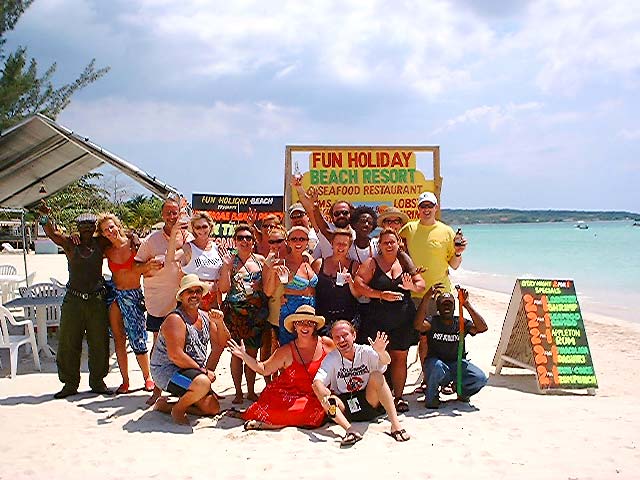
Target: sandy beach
point(508, 430)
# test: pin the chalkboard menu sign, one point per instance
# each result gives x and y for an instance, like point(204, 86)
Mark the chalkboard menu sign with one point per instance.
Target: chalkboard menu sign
point(544, 332)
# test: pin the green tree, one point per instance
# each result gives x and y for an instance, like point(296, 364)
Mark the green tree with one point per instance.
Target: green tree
point(80, 196)
point(142, 213)
point(22, 92)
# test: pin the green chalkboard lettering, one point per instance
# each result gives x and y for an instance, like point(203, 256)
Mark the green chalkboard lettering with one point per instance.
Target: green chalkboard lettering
point(572, 359)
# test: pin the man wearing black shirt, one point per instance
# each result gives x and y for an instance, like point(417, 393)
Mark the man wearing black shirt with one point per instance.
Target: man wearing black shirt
point(442, 332)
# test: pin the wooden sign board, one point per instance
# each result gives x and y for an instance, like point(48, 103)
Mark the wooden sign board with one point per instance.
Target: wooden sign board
point(376, 176)
point(544, 332)
point(229, 210)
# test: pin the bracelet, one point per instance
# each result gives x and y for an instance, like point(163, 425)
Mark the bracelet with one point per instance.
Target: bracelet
point(458, 254)
point(43, 220)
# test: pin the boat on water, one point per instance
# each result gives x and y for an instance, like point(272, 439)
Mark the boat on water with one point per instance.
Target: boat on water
point(581, 225)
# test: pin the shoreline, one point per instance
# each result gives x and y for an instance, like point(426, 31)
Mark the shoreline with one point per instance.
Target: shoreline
point(506, 431)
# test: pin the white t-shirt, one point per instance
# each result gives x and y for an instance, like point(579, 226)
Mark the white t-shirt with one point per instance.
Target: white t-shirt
point(361, 254)
point(341, 375)
point(204, 263)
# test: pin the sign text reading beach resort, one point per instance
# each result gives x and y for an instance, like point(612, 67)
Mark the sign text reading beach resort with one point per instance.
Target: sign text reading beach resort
point(372, 176)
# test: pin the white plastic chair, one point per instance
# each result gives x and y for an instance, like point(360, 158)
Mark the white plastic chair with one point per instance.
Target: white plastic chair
point(58, 283)
point(13, 342)
point(8, 270)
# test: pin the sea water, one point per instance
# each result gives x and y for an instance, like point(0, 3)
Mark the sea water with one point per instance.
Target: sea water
point(603, 260)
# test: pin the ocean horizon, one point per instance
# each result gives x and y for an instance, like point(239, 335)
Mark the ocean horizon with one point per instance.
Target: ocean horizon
point(602, 260)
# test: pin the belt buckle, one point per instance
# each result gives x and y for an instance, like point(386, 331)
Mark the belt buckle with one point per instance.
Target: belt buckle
point(84, 296)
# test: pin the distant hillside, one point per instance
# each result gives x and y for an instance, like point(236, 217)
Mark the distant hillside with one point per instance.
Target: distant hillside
point(503, 215)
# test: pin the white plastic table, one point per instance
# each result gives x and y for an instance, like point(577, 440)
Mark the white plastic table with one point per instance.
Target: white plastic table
point(40, 304)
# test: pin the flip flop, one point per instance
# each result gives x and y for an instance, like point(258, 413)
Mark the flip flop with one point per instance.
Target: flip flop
point(253, 425)
point(399, 435)
point(402, 405)
point(449, 389)
point(421, 389)
point(350, 438)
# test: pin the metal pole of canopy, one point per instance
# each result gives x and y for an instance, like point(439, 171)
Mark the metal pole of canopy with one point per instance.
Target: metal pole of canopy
point(24, 247)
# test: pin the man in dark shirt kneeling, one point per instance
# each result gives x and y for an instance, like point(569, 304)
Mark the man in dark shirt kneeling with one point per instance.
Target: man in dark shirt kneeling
point(442, 332)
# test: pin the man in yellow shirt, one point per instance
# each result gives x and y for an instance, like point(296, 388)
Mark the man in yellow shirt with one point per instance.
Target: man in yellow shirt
point(433, 244)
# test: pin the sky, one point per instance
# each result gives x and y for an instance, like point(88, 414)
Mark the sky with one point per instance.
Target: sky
point(533, 103)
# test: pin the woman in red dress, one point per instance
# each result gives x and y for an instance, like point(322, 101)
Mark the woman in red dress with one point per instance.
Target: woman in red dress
point(289, 400)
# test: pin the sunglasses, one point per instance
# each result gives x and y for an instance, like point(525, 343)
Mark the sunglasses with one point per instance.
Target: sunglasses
point(394, 221)
point(269, 226)
point(244, 238)
point(305, 323)
point(201, 227)
point(342, 213)
point(426, 205)
point(293, 216)
point(279, 240)
point(299, 239)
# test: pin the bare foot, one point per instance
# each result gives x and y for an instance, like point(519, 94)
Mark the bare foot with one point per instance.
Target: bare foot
point(179, 417)
point(162, 405)
point(154, 396)
point(239, 398)
point(252, 396)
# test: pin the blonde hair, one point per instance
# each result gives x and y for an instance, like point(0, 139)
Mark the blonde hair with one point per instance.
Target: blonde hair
point(102, 218)
point(202, 216)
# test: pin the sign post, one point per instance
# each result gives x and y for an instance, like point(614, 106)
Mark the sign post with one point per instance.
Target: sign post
point(544, 332)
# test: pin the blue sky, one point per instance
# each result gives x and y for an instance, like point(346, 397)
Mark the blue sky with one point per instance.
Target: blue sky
point(534, 104)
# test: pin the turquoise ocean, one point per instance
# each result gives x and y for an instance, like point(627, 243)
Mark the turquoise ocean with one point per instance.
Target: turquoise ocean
point(603, 260)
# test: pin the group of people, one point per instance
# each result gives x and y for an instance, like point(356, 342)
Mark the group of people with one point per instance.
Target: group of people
point(323, 311)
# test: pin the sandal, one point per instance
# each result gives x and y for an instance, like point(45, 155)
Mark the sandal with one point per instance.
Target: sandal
point(399, 435)
point(253, 425)
point(350, 438)
point(149, 385)
point(421, 389)
point(449, 389)
point(402, 405)
point(123, 389)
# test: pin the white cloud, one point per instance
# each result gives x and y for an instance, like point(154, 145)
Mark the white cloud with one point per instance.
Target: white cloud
point(629, 134)
point(114, 119)
point(493, 116)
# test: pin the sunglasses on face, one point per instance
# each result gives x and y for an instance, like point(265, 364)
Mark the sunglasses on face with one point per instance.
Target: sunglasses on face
point(269, 226)
point(299, 239)
point(394, 221)
point(273, 242)
point(341, 213)
point(201, 227)
point(304, 323)
point(244, 238)
point(426, 205)
point(293, 216)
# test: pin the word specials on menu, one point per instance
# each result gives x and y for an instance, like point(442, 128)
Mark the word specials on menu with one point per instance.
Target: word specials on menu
point(557, 334)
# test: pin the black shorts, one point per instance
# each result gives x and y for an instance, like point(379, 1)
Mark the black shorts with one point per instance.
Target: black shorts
point(366, 413)
point(181, 381)
point(154, 323)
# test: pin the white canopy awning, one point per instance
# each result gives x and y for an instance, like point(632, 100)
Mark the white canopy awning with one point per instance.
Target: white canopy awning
point(40, 150)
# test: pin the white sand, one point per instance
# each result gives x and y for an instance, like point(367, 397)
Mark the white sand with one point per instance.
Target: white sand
point(509, 431)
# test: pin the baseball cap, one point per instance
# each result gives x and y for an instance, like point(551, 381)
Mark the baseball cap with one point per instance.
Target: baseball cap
point(296, 207)
point(427, 197)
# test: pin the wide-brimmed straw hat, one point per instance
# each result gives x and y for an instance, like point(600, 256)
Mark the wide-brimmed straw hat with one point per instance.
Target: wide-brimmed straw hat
point(392, 212)
point(190, 281)
point(303, 312)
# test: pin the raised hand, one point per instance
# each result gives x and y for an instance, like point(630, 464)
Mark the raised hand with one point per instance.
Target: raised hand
point(380, 343)
point(407, 282)
point(465, 294)
point(252, 215)
point(235, 349)
point(216, 315)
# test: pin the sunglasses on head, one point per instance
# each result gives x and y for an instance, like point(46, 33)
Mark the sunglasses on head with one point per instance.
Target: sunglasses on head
point(246, 238)
point(341, 213)
point(274, 241)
